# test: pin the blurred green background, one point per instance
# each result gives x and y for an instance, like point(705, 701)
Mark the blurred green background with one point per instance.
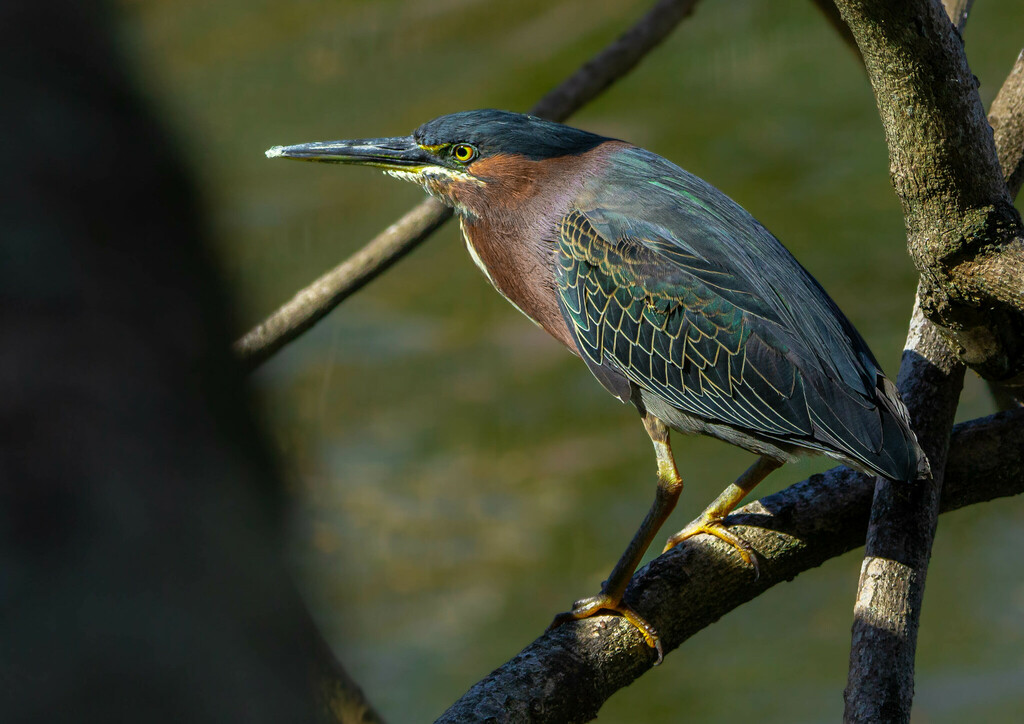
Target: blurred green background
point(458, 477)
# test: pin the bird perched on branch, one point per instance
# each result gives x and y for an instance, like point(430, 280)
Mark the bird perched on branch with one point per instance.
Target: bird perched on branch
point(676, 298)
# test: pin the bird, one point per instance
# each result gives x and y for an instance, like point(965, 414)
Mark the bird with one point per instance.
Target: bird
point(674, 296)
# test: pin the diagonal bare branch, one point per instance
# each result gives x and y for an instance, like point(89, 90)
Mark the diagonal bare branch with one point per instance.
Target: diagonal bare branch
point(313, 303)
point(340, 699)
point(567, 674)
point(958, 12)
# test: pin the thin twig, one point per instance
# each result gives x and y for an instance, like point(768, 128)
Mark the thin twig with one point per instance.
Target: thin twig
point(958, 12)
point(831, 13)
point(340, 699)
point(567, 674)
point(311, 304)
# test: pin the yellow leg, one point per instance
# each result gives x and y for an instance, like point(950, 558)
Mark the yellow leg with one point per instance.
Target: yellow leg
point(670, 485)
point(710, 521)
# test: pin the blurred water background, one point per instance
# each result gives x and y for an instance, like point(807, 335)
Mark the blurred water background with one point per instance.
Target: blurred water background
point(458, 477)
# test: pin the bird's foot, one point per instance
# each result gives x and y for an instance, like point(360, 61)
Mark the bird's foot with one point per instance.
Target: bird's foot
point(715, 527)
point(602, 602)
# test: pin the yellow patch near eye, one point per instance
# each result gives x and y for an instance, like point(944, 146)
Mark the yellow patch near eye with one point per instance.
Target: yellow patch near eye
point(433, 149)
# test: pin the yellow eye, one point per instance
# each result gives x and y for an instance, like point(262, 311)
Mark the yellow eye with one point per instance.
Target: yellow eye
point(463, 152)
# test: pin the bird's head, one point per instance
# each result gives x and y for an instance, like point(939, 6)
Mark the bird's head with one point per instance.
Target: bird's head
point(470, 160)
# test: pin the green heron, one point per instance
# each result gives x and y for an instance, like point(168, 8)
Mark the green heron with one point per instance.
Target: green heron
point(676, 298)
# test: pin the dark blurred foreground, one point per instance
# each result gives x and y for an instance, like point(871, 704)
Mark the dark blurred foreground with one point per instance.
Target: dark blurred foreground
point(141, 566)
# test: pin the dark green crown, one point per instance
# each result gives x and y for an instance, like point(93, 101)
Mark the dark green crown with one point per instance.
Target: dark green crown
point(492, 132)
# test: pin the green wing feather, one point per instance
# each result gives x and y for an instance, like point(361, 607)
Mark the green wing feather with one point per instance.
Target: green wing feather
point(669, 284)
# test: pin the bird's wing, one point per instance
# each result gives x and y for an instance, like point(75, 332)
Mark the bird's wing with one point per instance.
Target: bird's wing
point(669, 283)
point(672, 334)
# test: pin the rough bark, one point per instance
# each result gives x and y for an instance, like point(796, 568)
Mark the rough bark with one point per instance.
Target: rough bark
point(963, 232)
point(567, 674)
point(314, 302)
point(1007, 119)
point(899, 540)
point(891, 588)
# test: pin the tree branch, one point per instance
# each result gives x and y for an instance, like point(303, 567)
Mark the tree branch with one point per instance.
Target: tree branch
point(567, 674)
point(891, 587)
point(312, 304)
point(339, 698)
point(1007, 119)
point(958, 10)
point(963, 232)
point(887, 612)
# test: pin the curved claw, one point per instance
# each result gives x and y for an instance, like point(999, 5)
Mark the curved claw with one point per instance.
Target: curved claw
point(587, 607)
point(716, 528)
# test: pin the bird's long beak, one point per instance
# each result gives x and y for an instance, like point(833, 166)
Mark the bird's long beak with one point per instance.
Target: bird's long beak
point(401, 153)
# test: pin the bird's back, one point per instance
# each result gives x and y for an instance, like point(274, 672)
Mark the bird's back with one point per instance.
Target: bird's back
point(669, 284)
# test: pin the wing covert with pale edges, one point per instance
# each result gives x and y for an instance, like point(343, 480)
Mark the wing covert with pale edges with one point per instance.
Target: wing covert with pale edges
point(675, 337)
point(700, 305)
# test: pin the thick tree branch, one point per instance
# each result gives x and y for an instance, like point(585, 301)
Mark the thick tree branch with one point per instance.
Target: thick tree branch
point(311, 304)
point(891, 588)
point(142, 517)
point(963, 231)
point(567, 674)
point(899, 540)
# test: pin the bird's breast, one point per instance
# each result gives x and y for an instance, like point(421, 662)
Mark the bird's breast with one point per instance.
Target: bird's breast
point(522, 270)
point(510, 224)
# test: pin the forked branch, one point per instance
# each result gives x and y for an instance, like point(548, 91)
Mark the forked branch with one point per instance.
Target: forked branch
point(567, 674)
point(963, 232)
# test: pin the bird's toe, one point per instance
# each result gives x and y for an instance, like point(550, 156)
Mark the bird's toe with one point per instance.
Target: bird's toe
point(603, 603)
point(718, 529)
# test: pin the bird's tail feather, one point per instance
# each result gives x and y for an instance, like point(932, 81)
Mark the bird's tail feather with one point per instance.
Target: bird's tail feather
point(899, 442)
